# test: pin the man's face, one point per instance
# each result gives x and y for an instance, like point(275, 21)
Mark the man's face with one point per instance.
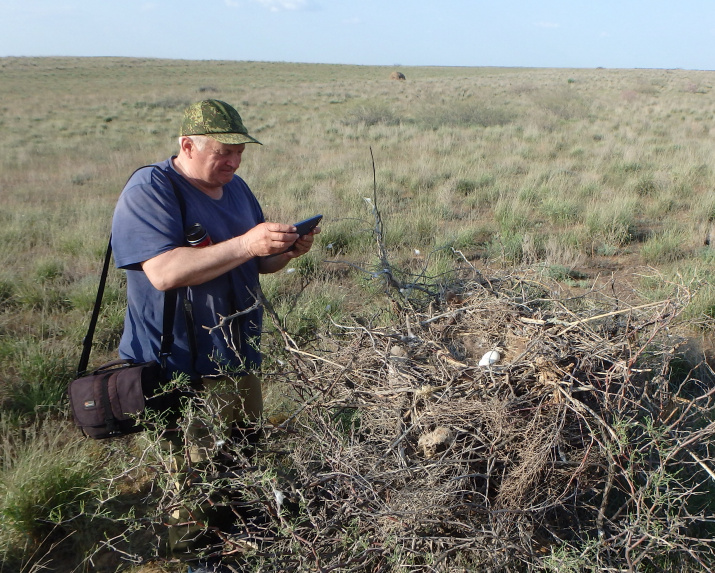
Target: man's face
point(217, 162)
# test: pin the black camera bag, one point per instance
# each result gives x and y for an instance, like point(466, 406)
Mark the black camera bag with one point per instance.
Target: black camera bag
point(111, 400)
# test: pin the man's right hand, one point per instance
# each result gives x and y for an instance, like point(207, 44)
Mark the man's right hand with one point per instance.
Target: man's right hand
point(268, 239)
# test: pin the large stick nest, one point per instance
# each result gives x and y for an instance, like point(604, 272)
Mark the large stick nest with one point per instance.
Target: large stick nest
point(579, 447)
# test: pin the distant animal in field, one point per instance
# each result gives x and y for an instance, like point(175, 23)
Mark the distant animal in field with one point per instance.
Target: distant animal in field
point(397, 76)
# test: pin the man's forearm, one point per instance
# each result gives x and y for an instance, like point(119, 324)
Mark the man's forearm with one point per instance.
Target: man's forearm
point(188, 266)
point(273, 264)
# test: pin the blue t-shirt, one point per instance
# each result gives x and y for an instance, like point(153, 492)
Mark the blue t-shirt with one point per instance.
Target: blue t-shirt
point(147, 222)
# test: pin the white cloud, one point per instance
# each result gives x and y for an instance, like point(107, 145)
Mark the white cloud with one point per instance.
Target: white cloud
point(284, 5)
point(546, 24)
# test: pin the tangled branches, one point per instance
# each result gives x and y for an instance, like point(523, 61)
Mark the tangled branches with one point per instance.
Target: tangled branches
point(580, 448)
point(586, 446)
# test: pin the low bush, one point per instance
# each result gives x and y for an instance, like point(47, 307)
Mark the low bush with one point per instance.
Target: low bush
point(465, 114)
point(37, 382)
point(369, 116)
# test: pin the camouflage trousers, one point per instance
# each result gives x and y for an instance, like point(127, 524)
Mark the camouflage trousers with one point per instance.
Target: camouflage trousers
point(232, 404)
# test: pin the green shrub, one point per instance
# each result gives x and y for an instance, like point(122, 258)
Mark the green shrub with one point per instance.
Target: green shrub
point(7, 290)
point(346, 236)
point(82, 294)
point(564, 104)
point(513, 216)
point(465, 114)
point(563, 273)
point(612, 223)
point(508, 247)
point(302, 308)
point(42, 297)
point(413, 232)
point(561, 210)
point(48, 270)
point(460, 239)
point(307, 266)
point(371, 115)
point(646, 186)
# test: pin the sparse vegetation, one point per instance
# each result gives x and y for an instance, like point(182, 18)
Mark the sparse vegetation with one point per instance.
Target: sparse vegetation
point(568, 182)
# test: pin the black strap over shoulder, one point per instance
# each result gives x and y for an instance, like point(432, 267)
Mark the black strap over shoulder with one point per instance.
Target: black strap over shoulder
point(167, 337)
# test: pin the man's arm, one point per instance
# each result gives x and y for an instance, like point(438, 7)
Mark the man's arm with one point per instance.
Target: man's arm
point(188, 266)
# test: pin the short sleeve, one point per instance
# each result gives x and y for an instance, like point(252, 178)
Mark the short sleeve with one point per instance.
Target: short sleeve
point(147, 219)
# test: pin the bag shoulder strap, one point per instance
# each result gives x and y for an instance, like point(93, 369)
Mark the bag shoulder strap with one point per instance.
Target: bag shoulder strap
point(167, 337)
point(87, 341)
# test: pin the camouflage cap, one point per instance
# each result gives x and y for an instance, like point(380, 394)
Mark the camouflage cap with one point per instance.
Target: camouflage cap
point(217, 120)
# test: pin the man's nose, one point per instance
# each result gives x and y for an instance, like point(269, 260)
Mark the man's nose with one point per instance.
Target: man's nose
point(234, 160)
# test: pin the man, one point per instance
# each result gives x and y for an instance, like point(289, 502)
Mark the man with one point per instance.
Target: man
point(218, 280)
point(148, 241)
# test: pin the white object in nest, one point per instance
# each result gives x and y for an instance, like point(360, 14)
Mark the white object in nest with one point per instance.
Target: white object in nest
point(280, 498)
point(490, 358)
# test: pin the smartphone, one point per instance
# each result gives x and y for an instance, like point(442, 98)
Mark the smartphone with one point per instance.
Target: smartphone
point(307, 225)
point(304, 227)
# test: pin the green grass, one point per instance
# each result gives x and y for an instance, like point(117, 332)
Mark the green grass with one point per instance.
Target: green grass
point(48, 489)
point(666, 247)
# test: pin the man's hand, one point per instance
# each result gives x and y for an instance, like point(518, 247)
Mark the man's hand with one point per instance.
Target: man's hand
point(268, 239)
point(303, 244)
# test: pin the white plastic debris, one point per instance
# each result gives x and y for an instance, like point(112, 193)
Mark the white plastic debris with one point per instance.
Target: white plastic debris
point(490, 358)
point(280, 498)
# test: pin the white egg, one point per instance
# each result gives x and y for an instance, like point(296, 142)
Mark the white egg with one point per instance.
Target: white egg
point(490, 358)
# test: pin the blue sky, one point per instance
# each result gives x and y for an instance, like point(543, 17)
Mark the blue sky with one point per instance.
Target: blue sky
point(532, 33)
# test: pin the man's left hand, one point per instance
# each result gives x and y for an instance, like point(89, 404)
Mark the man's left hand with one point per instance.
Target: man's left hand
point(303, 244)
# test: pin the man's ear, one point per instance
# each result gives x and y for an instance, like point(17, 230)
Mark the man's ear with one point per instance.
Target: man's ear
point(187, 146)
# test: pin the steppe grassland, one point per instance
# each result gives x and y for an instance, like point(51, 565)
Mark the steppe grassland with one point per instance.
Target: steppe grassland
point(515, 165)
point(560, 168)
